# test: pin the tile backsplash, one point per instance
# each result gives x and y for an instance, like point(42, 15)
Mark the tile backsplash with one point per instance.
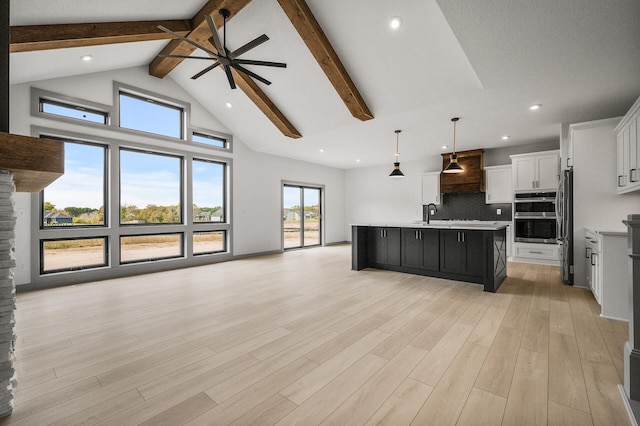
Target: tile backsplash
point(471, 206)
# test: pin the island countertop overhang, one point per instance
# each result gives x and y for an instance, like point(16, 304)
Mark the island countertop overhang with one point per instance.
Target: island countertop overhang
point(441, 224)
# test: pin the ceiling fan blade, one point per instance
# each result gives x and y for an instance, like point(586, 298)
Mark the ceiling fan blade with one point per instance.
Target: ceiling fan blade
point(263, 63)
point(176, 35)
point(244, 49)
point(232, 83)
point(187, 57)
point(204, 71)
point(251, 74)
point(215, 36)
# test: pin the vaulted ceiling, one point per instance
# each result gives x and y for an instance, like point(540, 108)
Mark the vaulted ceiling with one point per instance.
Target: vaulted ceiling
point(350, 80)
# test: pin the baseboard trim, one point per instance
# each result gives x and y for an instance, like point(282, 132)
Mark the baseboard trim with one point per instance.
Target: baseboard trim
point(627, 405)
point(337, 243)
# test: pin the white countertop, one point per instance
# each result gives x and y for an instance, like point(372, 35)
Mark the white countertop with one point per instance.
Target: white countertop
point(443, 224)
point(608, 231)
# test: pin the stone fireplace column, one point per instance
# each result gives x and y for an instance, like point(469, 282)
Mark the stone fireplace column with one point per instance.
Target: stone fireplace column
point(7, 293)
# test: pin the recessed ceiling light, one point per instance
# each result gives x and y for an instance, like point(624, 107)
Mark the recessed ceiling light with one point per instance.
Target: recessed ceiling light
point(535, 107)
point(505, 137)
point(395, 23)
point(86, 58)
point(229, 105)
point(357, 160)
point(321, 149)
point(444, 146)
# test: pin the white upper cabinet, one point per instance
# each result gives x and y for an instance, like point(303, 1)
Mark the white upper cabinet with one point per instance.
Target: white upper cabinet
point(430, 188)
point(538, 171)
point(628, 146)
point(498, 184)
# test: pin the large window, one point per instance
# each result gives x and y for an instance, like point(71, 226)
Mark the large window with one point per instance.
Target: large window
point(128, 203)
point(208, 191)
point(77, 198)
point(150, 115)
point(150, 188)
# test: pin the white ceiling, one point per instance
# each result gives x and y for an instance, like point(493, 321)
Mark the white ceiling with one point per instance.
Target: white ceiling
point(483, 60)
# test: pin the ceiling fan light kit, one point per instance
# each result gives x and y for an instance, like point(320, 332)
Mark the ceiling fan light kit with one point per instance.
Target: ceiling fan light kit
point(453, 166)
point(396, 172)
point(223, 57)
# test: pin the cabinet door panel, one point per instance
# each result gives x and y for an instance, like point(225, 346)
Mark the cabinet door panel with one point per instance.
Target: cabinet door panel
point(430, 184)
point(523, 174)
point(411, 248)
point(450, 254)
point(430, 249)
point(473, 249)
point(548, 168)
point(392, 242)
point(375, 245)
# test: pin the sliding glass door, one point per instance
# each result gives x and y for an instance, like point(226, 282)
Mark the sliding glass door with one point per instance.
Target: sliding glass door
point(301, 216)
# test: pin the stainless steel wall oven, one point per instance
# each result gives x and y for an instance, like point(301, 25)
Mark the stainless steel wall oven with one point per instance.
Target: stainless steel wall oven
point(535, 217)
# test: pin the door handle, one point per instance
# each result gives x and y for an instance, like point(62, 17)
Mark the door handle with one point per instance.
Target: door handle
point(462, 234)
point(592, 256)
point(420, 234)
point(586, 252)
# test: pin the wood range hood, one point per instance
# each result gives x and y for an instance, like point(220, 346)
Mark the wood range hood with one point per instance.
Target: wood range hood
point(34, 162)
point(471, 180)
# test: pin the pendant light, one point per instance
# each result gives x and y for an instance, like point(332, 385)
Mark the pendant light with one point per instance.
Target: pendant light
point(453, 166)
point(396, 173)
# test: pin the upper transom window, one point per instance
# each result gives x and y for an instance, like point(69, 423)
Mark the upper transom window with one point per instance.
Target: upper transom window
point(151, 115)
point(73, 111)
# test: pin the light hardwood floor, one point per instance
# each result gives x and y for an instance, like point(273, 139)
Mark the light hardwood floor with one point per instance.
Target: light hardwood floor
point(299, 338)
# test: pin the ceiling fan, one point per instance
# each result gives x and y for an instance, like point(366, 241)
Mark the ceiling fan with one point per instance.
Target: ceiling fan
point(223, 57)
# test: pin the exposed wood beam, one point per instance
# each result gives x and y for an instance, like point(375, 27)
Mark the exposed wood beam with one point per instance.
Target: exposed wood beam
point(310, 31)
point(160, 67)
point(29, 38)
point(262, 101)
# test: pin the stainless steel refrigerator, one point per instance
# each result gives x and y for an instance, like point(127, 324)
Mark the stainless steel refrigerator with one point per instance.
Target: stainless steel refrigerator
point(564, 215)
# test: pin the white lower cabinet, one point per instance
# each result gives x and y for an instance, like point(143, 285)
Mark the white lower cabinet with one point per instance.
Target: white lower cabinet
point(606, 272)
point(536, 253)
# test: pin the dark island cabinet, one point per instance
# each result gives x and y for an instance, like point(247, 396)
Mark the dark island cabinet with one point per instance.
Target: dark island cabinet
point(384, 246)
point(476, 256)
point(461, 252)
point(420, 248)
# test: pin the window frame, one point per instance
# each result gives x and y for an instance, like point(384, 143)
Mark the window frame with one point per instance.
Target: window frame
point(227, 138)
point(225, 192)
point(105, 191)
point(113, 231)
point(135, 92)
point(181, 245)
point(204, 253)
point(105, 255)
point(39, 95)
point(182, 207)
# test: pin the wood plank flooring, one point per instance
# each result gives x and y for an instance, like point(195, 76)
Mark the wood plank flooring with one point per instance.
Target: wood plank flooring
point(299, 338)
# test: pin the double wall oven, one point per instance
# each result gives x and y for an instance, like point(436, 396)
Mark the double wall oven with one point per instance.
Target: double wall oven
point(535, 217)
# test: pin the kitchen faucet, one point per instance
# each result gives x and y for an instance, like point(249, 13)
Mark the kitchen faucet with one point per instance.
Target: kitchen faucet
point(426, 211)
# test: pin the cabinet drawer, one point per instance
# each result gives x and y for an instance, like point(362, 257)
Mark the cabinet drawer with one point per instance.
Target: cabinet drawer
point(545, 252)
point(593, 240)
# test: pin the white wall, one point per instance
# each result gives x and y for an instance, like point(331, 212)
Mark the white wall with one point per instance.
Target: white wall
point(372, 196)
point(596, 204)
point(257, 177)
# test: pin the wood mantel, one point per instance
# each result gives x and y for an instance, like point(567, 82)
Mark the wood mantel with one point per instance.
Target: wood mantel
point(34, 162)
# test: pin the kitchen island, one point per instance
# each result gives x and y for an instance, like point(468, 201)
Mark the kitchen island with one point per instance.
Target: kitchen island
point(462, 251)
